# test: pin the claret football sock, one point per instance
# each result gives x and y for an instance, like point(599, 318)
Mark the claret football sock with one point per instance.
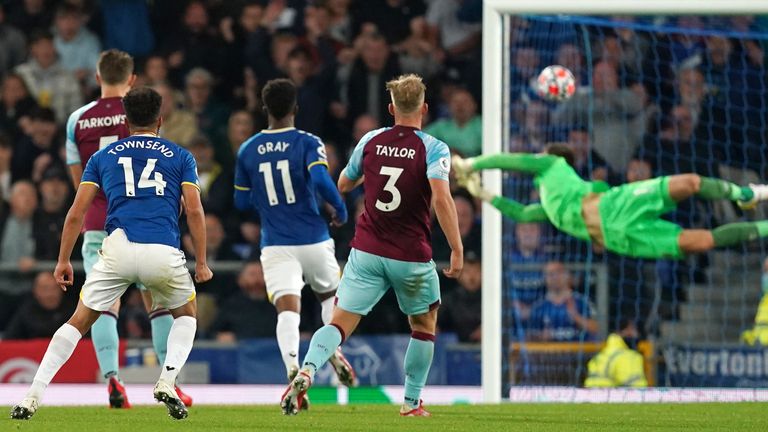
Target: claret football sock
point(161, 321)
point(180, 340)
point(324, 343)
point(62, 346)
point(288, 337)
point(106, 343)
point(418, 360)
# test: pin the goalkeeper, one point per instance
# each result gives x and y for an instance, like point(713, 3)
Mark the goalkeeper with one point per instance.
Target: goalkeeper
point(624, 219)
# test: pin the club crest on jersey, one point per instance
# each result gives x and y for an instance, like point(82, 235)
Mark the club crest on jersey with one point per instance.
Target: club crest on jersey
point(270, 147)
point(398, 152)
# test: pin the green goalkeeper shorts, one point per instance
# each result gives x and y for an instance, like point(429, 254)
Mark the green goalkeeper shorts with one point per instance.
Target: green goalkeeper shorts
point(630, 216)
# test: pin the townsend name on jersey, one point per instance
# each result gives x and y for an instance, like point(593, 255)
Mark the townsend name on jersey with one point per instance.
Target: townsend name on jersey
point(147, 145)
point(106, 121)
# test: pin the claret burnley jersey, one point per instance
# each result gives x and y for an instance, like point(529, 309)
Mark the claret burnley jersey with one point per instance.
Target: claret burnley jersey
point(397, 163)
point(90, 128)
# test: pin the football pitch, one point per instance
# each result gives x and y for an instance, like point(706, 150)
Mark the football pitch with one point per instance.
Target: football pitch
point(475, 418)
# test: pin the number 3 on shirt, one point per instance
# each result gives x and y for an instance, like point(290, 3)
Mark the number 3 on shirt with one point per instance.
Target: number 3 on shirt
point(156, 182)
point(393, 174)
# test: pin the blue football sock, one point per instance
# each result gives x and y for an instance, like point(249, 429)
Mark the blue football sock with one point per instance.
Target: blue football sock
point(323, 344)
point(106, 342)
point(418, 359)
point(161, 325)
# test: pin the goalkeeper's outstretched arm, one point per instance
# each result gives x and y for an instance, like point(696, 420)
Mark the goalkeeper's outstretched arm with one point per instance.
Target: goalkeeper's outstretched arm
point(509, 208)
point(519, 212)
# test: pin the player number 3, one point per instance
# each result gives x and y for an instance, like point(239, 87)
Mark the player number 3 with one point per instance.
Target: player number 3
point(393, 174)
point(156, 182)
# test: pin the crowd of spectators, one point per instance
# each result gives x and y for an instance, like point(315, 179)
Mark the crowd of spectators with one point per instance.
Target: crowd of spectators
point(209, 59)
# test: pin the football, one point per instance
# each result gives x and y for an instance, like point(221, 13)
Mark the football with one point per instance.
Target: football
point(556, 83)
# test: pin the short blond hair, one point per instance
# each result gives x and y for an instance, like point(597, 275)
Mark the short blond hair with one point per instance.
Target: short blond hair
point(407, 93)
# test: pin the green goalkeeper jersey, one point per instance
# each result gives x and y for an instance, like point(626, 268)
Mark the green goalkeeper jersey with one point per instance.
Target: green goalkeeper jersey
point(561, 192)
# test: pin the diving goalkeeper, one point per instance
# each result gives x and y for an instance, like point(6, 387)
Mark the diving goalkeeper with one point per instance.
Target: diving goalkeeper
point(624, 219)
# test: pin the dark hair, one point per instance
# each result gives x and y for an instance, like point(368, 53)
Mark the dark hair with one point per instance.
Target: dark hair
point(142, 106)
point(5, 141)
point(68, 9)
point(38, 35)
point(114, 66)
point(563, 151)
point(279, 97)
point(43, 114)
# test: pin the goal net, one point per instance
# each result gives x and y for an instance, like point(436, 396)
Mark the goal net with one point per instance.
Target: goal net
point(656, 95)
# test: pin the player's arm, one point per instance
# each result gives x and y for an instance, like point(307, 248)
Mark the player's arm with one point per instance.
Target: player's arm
point(347, 184)
point(324, 183)
point(242, 183)
point(521, 162)
point(519, 212)
point(352, 175)
point(72, 226)
point(76, 171)
point(196, 223)
point(74, 161)
point(509, 208)
point(445, 209)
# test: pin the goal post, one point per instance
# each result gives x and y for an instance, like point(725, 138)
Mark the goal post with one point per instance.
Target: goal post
point(496, 109)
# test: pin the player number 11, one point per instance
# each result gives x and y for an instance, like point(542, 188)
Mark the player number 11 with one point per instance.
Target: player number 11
point(269, 182)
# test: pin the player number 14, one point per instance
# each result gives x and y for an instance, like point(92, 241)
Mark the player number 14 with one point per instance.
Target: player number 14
point(156, 181)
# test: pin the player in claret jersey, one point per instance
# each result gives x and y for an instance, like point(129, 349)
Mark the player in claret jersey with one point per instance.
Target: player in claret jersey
point(404, 170)
point(144, 178)
point(89, 129)
point(278, 171)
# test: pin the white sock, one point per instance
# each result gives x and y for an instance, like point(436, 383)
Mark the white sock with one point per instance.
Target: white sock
point(180, 340)
point(326, 309)
point(287, 331)
point(59, 350)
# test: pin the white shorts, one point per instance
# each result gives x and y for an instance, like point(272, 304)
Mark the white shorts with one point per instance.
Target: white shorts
point(161, 268)
point(288, 268)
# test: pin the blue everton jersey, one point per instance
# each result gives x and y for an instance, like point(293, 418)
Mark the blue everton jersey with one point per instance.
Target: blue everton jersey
point(546, 315)
point(142, 177)
point(274, 166)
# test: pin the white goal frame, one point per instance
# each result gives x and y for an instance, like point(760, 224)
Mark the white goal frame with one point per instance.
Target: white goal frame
point(495, 116)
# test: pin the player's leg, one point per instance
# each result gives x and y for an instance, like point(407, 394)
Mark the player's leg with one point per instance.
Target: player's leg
point(106, 341)
point(362, 286)
point(732, 234)
point(683, 186)
point(321, 272)
point(283, 278)
point(160, 320)
point(418, 293)
point(102, 288)
point(177, 294)
point(180, 341)
point(521, 162)
point(418, 360)
point(59, 350)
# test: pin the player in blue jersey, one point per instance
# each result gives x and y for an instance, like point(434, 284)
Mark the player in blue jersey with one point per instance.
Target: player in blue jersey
point(279, 171)
point(144, 178)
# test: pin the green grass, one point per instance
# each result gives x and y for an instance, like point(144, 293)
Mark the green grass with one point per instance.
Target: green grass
point(730, 417)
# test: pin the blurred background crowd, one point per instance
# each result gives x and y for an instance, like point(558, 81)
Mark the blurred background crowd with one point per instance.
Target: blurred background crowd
point(648, 103)
point(209, 60)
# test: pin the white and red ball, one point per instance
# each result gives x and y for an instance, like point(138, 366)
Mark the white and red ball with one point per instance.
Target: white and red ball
point(556, 83)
